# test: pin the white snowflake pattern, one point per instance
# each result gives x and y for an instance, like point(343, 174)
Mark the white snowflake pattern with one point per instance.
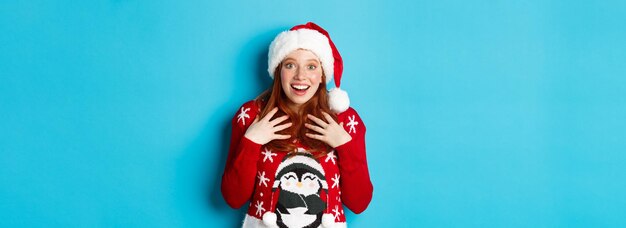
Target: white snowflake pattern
point(339, 197)
point(331, 156)
point(268, 155)
point(243, 115)
point(352, 124)
point(337, 212)
point(259, 208)
point(335, 181)
point(262, 179)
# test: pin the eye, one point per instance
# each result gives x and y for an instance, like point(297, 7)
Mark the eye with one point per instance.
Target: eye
point(290, 176)
point(311, 67)
point(308, 177)
point(289, 65)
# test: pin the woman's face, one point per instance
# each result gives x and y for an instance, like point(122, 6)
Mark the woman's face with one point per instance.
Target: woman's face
point(301, 75)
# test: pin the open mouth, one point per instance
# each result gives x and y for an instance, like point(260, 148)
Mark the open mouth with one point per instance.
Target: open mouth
point(300, 89)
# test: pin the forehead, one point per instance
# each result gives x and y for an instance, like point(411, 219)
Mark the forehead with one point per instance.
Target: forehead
point(302, 54)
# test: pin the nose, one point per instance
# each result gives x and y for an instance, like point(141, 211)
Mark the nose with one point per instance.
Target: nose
point(299, 184)
point(299, 73)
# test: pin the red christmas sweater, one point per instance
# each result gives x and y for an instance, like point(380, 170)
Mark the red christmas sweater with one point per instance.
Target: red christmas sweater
point(299, 190)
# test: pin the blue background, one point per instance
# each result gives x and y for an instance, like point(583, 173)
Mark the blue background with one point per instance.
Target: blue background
point(479, 113)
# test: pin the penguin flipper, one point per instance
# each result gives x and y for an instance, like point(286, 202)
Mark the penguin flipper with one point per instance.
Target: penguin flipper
point(315, 204)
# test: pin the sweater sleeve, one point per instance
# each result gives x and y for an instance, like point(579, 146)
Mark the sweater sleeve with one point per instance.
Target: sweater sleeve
point(243, 155)
point(356, 186)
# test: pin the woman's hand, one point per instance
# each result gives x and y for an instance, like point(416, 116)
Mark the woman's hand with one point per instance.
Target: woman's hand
point(331, 133)
point(263, 131)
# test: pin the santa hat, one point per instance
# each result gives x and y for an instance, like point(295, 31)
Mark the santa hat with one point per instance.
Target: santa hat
point(288, 163)
point(315, 39)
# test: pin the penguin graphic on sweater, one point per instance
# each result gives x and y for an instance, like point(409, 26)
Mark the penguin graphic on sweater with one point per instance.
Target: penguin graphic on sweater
point(299, 182)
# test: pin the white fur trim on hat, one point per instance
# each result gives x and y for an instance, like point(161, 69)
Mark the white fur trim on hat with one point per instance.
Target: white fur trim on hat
point(328, 220)
point(338, 100)
point(269, 219)
point(308, 39)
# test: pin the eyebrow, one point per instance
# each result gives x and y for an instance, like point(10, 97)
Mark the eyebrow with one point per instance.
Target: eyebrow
point(308, 60)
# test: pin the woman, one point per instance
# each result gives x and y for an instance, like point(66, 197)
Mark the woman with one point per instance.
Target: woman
point(297, 152)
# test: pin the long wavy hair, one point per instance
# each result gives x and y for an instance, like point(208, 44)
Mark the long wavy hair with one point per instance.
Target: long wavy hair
point(275, 97)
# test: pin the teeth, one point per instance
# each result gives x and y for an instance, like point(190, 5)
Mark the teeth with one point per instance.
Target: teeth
point(300, 87)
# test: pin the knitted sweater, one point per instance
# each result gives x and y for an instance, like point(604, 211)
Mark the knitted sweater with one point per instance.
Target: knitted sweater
point(298, 190)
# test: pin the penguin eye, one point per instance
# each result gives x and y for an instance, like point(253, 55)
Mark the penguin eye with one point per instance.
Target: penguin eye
point(308, 177)
point(290, 176)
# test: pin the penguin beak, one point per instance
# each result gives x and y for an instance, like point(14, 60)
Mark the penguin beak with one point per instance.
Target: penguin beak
point(299, 184)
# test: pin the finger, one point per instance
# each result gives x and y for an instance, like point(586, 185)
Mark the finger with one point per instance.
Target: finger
point(279, 120)
point(319, 122)
point(270, 114)
point(328, 118)
point(276, 136)
point(314, 136)
point(315, 128)
point(281, 127)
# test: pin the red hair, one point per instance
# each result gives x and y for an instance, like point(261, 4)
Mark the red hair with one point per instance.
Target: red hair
point(275, 97)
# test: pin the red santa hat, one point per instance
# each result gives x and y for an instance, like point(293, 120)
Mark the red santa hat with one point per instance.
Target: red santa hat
point(314, 38)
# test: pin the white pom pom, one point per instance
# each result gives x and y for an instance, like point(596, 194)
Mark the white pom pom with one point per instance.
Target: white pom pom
point(328, 220)
point(269, 219)
point(338, 100)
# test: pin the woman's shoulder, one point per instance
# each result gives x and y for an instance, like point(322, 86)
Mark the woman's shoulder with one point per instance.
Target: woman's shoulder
point(246, 113)
point(252, 105)
point(351, 120)
point(348, 112)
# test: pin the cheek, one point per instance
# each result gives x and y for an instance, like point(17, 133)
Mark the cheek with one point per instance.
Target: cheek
point(284, 74)
point(315, 87)
point(284, 79)
point(311, 184)
point(317, 78)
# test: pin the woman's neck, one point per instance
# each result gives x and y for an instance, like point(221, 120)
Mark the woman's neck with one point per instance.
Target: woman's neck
point(294, 107)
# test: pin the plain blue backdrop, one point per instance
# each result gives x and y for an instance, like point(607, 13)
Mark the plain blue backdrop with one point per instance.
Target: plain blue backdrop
point(479, 113)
